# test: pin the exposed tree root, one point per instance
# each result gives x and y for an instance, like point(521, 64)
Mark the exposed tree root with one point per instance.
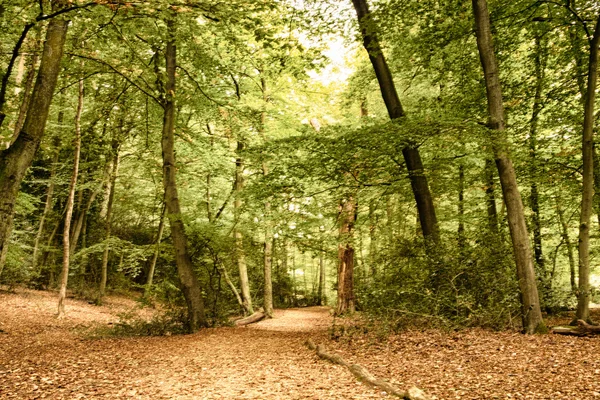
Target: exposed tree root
point(257, 316)
point(582, 329)
point(365, 376)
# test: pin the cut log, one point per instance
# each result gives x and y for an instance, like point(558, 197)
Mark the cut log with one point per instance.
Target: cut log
point(365, 376)
point(257, 316)
point(582, 329)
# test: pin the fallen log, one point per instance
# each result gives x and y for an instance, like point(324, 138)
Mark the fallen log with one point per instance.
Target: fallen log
point(257, 316)
point(582, 329)
point(365, 376)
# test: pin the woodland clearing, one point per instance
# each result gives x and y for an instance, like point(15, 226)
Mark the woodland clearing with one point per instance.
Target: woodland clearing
point(44, 357)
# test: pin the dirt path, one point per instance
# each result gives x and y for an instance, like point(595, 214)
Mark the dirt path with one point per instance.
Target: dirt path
point(41, 357)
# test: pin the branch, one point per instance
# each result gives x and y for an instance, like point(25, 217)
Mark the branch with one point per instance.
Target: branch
point(128, 79)
point(200, 88)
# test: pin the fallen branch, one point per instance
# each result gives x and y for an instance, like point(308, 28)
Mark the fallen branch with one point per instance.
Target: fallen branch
point(365, 376)
point(582, 329)
point(257, 316)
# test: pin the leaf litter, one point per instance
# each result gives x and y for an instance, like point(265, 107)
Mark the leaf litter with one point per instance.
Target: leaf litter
point(45, 358)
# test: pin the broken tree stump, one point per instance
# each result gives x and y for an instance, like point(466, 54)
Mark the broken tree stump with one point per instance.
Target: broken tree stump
point(257, 316)
point(582, 329)
point(365, 376)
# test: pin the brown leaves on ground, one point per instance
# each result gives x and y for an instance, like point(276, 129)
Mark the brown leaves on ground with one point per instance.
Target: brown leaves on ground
point(42, 357)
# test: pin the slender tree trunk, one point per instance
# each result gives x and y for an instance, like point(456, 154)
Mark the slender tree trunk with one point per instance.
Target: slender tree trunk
point(26, 96)
point(540, 64)
point(565, 237)
point(461, 208)
point(189, 282)
point(239, 237)
point(412, 156)
point(72, 187)
point(345, 296)
point(322, 295)
point(108, 221)
point(583, 297)
point(490, 197)
point(268, 243)
point(161, 228)
point(47, 209)
point(532, 314)
point(15, 161)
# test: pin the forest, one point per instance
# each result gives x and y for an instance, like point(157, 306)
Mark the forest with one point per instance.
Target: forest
point(410, 166)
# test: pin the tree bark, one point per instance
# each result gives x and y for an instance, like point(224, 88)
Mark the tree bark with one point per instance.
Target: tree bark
point(412, 156)
point(345, 287)
point(239, 237)
point(189, 282)
point(15, 161)
point(532, 314)
point(587, 146)
point(62, 294)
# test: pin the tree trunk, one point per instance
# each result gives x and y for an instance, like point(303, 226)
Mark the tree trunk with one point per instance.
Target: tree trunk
point(47, 209)
point(540, 65)
point(161, 227)
point(239, 237)
point(490, 198)
point(268, 243)
point(189, 282)
point(108, 221)
point(532, 314)
point(411, 153)
point(345, 289)
point(321, 294)
point(565, 237)
point(15, 161)
point(72, 186)
point(587, 145)
point(26, 96)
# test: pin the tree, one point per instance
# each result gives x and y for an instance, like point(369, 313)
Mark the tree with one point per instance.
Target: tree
point(411, 153)
point(187, 275)
point(15, 160)
point(532, 314)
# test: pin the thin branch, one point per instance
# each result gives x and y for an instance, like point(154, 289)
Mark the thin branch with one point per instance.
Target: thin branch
point(128, 79)
point(200, 88)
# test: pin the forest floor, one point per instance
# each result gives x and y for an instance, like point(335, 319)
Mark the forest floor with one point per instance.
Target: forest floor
point(42, 357)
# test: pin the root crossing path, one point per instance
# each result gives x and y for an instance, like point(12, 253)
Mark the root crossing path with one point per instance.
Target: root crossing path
point(41, 357)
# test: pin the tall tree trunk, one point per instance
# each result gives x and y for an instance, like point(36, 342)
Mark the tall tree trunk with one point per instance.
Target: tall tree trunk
point(540, 65)
point(189, 282)
point(587, 145)
point(412, 156)
point(71, 199)
point(108, 221)
point(161, 228)
point(268, 243)
point(47, 208)
point(532, 314)
point(345, 287)
point(239, 237)
point(15, 161)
